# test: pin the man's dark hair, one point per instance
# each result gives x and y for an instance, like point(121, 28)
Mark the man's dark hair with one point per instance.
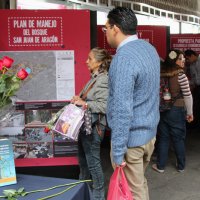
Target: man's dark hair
point(190, 52)
point(124, 18)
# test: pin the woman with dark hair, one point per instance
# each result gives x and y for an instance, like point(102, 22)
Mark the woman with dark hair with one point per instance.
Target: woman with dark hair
point(172, 125)
point(94, 98)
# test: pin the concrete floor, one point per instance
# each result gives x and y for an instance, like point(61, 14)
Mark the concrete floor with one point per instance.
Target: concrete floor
point(171, 185)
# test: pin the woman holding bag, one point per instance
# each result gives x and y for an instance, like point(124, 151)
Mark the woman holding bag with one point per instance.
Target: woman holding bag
point(94, 99)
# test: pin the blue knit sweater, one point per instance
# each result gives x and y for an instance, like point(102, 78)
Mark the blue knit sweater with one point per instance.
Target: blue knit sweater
point(133, 102)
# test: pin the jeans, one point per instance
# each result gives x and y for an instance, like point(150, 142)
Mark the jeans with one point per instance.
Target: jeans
point(90, 162)
point(172, 126)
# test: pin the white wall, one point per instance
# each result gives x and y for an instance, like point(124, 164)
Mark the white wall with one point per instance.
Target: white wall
point(175, 26)
point(189, 28)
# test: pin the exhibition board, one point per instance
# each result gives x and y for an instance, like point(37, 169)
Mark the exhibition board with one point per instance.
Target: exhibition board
point(54, 45)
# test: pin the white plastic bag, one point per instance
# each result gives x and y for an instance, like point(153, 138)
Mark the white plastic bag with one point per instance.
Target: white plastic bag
point(70, 122)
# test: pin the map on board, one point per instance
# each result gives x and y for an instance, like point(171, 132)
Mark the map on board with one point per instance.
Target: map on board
point(51, 77)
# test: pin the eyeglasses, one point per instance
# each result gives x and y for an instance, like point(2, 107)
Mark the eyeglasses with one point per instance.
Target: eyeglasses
point(104, 29)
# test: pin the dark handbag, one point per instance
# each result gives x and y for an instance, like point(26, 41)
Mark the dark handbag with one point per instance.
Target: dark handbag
point(166, 105)
point(87, 125)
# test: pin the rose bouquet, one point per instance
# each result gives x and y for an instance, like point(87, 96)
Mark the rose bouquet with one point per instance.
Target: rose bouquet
point(9, 81)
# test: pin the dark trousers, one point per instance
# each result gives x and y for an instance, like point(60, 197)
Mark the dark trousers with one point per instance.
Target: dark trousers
point(172, 127)
point(90, 162)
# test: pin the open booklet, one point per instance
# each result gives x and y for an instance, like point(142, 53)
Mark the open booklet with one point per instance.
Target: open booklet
point(70, 122)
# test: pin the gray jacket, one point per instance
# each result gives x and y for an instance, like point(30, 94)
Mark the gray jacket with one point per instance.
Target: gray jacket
point(97, 96)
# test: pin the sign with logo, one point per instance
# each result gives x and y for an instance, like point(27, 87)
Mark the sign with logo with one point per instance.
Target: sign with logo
point(35, 31)
point(185, 41)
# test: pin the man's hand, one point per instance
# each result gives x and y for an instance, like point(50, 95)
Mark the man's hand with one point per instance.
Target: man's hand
point(123, 164)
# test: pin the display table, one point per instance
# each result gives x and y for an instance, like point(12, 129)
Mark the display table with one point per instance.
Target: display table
point(29, 182)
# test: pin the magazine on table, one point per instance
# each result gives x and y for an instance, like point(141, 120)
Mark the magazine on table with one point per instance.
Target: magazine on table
point(8, 174)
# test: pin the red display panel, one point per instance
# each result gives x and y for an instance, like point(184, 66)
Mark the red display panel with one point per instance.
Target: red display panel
point(158, 36)
point(43, 30)
point(28, 162)
point(36, 31)
point(185, 41)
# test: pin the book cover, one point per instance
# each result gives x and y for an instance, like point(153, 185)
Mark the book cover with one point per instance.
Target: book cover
point(7, 165)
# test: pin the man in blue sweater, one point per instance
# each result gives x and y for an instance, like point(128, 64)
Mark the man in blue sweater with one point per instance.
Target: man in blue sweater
point(133, 102)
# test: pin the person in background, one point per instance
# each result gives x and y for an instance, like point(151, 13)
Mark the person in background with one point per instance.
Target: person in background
point(193, 59)
point(172, 125)
point(133, 102)
point(94, 99)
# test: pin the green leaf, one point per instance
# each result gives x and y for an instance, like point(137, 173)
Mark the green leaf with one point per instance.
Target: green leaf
point(2, 86)
point(12, 198)
point(10, 82)
point(14, 87)
point(20, 190)
point(9, 192)
point(4, 76)
point(24, 194)
point(15, 79)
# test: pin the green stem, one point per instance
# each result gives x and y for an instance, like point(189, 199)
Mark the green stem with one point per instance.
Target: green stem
point(5, 98)
point(2, 104)
point(7, 95)
point(57, 186)
point(59, 193)
point(51, 188)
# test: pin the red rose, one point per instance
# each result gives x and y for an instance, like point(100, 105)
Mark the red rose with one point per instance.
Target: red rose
point(1, 64)
point(7, 61)
point(22, 74)
point(46, 129)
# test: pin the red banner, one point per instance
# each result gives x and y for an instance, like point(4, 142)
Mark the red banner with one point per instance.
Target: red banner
point(54, 44)
point(158, 36)
point(38, 30)
point(35, 31)
point(185, 41)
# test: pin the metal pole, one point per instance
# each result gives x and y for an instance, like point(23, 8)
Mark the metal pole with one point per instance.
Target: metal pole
point(13, 4)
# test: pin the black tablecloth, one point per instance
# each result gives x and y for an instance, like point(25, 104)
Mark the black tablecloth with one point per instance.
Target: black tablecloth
point(29, 182)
